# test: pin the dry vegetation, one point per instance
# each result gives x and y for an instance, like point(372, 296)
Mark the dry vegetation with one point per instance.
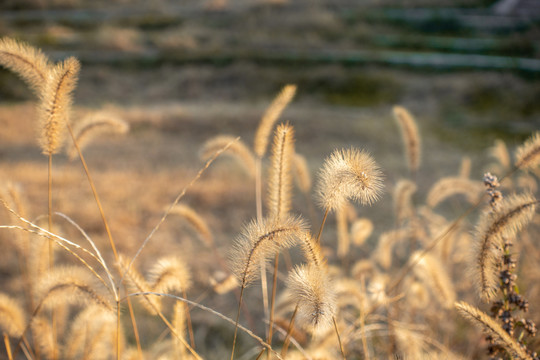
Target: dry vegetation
point(176, 285)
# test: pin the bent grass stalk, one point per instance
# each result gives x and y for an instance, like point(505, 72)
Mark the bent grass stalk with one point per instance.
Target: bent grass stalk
point(212, 311)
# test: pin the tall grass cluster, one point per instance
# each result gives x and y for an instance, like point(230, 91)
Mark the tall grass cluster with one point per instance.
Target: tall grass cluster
point(429, 287)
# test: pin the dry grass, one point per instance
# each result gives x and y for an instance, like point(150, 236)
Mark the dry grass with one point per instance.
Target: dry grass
point(376, 282)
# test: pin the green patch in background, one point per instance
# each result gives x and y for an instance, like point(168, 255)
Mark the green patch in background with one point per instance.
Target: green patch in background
point(356, 90)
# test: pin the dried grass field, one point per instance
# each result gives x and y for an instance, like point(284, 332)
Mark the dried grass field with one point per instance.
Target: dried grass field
point(268, 179)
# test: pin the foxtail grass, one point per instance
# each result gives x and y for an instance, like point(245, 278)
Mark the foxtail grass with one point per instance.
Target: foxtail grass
point(26, 61)
point(491, 327)
point(410, 136)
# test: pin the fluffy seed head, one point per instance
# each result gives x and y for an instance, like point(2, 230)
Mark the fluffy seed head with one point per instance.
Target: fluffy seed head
point(270, 117)
point(450, 186)
point(170, 274)
point(528, 154)
point(403, 204)
point(280, 177)
point(260, 240)
point(26, 61)
point(71, 285)
point(361, 230)
point(55, 104)
point(94, 125)
point(492, 328)
point(411, 138)
point(514, 213)
point(349, 174)
point(432, 273)
point(237, 149)
point(196, 220)
point(301, 173)
point(311, 287)
point(12, 319)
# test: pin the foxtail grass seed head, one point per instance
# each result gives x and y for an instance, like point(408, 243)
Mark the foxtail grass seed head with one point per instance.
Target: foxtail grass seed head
point(528, 154)
point(410, 135)
point(302, 175)
point(513, 213)
point(349, 174)
point(170, 274)
point(260, 240)
point(12, 318)
point(311, 287)
point(94, 125)
point(237, 150)
point(26, 61)
point(493, 329)
point(432, 273)
point(270, 117)
point(196, 221)
point(44, 339)
point(280, 177)
point(55, 105)
point(451, 186)
point(65, 285)
point(137, 283)
point(361, 230)
point(403, 203)
point(92, 333)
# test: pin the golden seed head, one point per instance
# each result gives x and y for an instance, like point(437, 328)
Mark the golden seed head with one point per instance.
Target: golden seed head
point(349, 174)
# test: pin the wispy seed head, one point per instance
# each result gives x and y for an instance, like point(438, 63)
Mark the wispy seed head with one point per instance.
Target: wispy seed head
point(349, 174)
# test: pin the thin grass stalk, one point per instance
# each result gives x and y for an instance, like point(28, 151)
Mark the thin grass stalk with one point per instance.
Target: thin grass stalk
point(237, 319)
point(339, 339)
point(363, 320)
point(411, 264)
point(109, 235)
point(51, 254)
point(8, 347)
point(135, 330)
point(258, 202)
point(272, 302)
point(318, 240)
point(260, 353)
point(190, 325)
point(212, 311)
point(290, 328)
point(174, 203)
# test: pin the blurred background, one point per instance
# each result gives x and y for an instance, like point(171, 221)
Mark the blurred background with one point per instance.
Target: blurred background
point(181, 72)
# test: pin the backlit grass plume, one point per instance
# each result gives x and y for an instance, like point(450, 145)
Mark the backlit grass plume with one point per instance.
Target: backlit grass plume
point(270, 117)
point(91, 335)
point(349, 174)
point(514, 213)
point(403, 204)
point(94, 125)
point(492, 328)
point(169, 274)
point(280, 177)
point(12, 318)
point(528, 154)
point(434, 275)
point(66, 285)
point(260, 240)
point(196, 221)
point(410, 135)
point(301, 173)
point(26, 61)
point(311, 288)
point(450, 186)
point(55, 105)
point(237, 149)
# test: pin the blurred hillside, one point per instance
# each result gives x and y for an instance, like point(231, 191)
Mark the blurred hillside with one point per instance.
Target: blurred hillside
point(465, 67)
